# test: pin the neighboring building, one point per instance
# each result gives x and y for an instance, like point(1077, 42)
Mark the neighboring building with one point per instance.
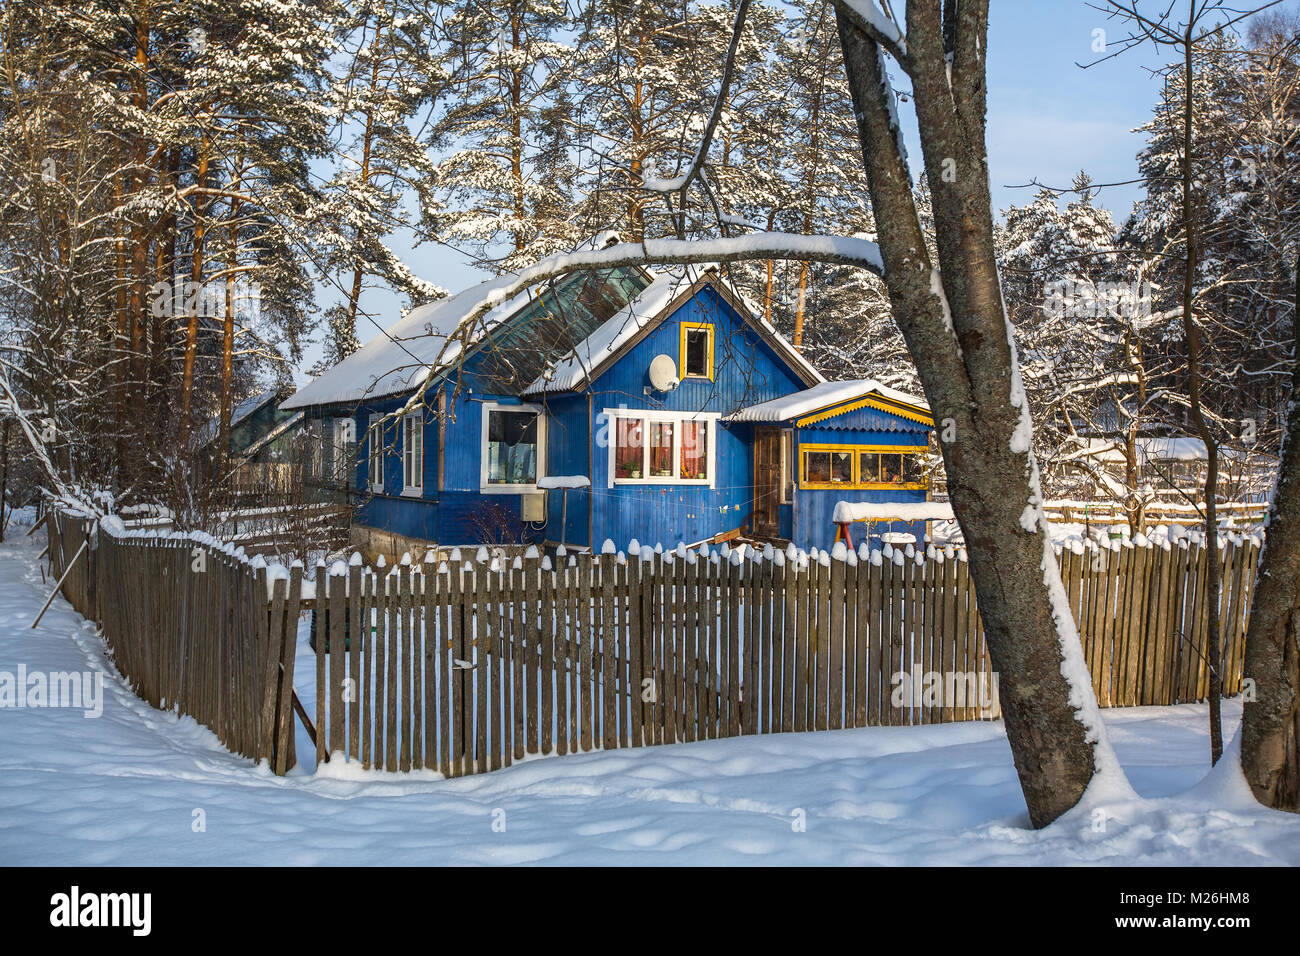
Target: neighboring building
point(262, 434)
point(1171, 467)
point(621, 404)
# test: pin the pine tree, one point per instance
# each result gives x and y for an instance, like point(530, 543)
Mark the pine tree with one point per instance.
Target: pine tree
point(390, 80)
point(504, 179)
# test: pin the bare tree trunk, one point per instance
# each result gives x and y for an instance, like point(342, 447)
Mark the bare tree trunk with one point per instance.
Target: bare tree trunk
point(4, 474)
point(799, 304)
point(1270, 724)
point(968, 368)
point(1192, 333)
point(196, 277)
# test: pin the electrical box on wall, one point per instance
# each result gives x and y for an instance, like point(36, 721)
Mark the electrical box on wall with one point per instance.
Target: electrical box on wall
point(532, 507)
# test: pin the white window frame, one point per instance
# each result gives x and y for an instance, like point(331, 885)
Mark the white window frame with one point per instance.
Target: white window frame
point(647, 416)
point(375, 454)
point(413, 425)
point(502, 489)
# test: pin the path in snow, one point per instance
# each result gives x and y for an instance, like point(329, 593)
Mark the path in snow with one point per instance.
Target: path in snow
point(124, 788)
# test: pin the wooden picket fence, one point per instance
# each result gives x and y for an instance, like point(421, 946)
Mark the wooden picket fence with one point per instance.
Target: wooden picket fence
point(464, 666)
point(473, 664)
point(188, 626)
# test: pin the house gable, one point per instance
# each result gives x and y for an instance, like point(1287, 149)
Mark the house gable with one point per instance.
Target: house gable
point(746, 368)
point(664, 301)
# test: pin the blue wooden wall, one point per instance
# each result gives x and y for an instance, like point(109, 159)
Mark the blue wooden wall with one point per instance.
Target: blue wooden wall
point(746, 371)
point(814, 508)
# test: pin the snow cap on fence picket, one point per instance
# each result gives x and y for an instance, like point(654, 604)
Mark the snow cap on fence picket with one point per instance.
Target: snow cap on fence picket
point(481, 556)
point(736, 556)
point(778, 559)
point(681, 549)
point(455, 555)
point(338, 570)
point(258, 562)
point(634, 546)
point(725, 550)
point(839, 552)
point(517, 564)
point(888, 551)
point(561, 551)
point(704, 549)
point(898, 558)
point(442, 568)
point(852, 559)
point(608, 546)
point(546, 562)
point(381, 562)
point(320, 562)
point(531, 551)
point(406, 559)
point(113, 524)
point(430, 556)
point(824, 559)
point(768, 551)
point(864, 551)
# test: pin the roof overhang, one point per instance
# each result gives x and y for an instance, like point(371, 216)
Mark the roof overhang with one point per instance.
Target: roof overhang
point(913, 413)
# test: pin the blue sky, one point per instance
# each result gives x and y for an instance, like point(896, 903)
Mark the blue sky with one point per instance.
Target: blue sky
point(1047, 120)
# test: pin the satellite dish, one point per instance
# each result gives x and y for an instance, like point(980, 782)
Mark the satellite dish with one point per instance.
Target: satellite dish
point(663, 373)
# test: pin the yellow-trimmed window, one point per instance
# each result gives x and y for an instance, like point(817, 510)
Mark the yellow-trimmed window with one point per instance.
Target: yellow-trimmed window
point(696, 359)
point(863, 466)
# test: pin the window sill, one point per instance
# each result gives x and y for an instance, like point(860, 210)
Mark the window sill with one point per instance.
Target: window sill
point(866, 486)
point(694, 482)
point(507, 489)
point(412, 493)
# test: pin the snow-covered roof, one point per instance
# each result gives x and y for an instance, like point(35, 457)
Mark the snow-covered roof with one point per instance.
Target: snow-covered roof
point(397, 360)
point(825, 396)
point(212, 427)
point(578, 367)
point(1180, 448)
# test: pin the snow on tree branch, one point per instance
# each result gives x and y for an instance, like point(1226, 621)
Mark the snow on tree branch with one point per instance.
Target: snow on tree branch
point(836, 250)
point(874, 22)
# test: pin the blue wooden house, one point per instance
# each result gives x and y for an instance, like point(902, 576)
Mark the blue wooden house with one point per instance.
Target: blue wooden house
point(607, 405)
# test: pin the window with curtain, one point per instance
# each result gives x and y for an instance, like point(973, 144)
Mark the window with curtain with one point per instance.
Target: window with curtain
point(661, 447)
point(512, 448)
point(695, 450)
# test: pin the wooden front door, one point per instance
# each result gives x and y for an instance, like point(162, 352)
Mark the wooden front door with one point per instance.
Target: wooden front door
point(767, 481)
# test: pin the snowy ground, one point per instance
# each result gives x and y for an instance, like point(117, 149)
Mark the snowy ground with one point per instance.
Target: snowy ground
point(128, 788)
